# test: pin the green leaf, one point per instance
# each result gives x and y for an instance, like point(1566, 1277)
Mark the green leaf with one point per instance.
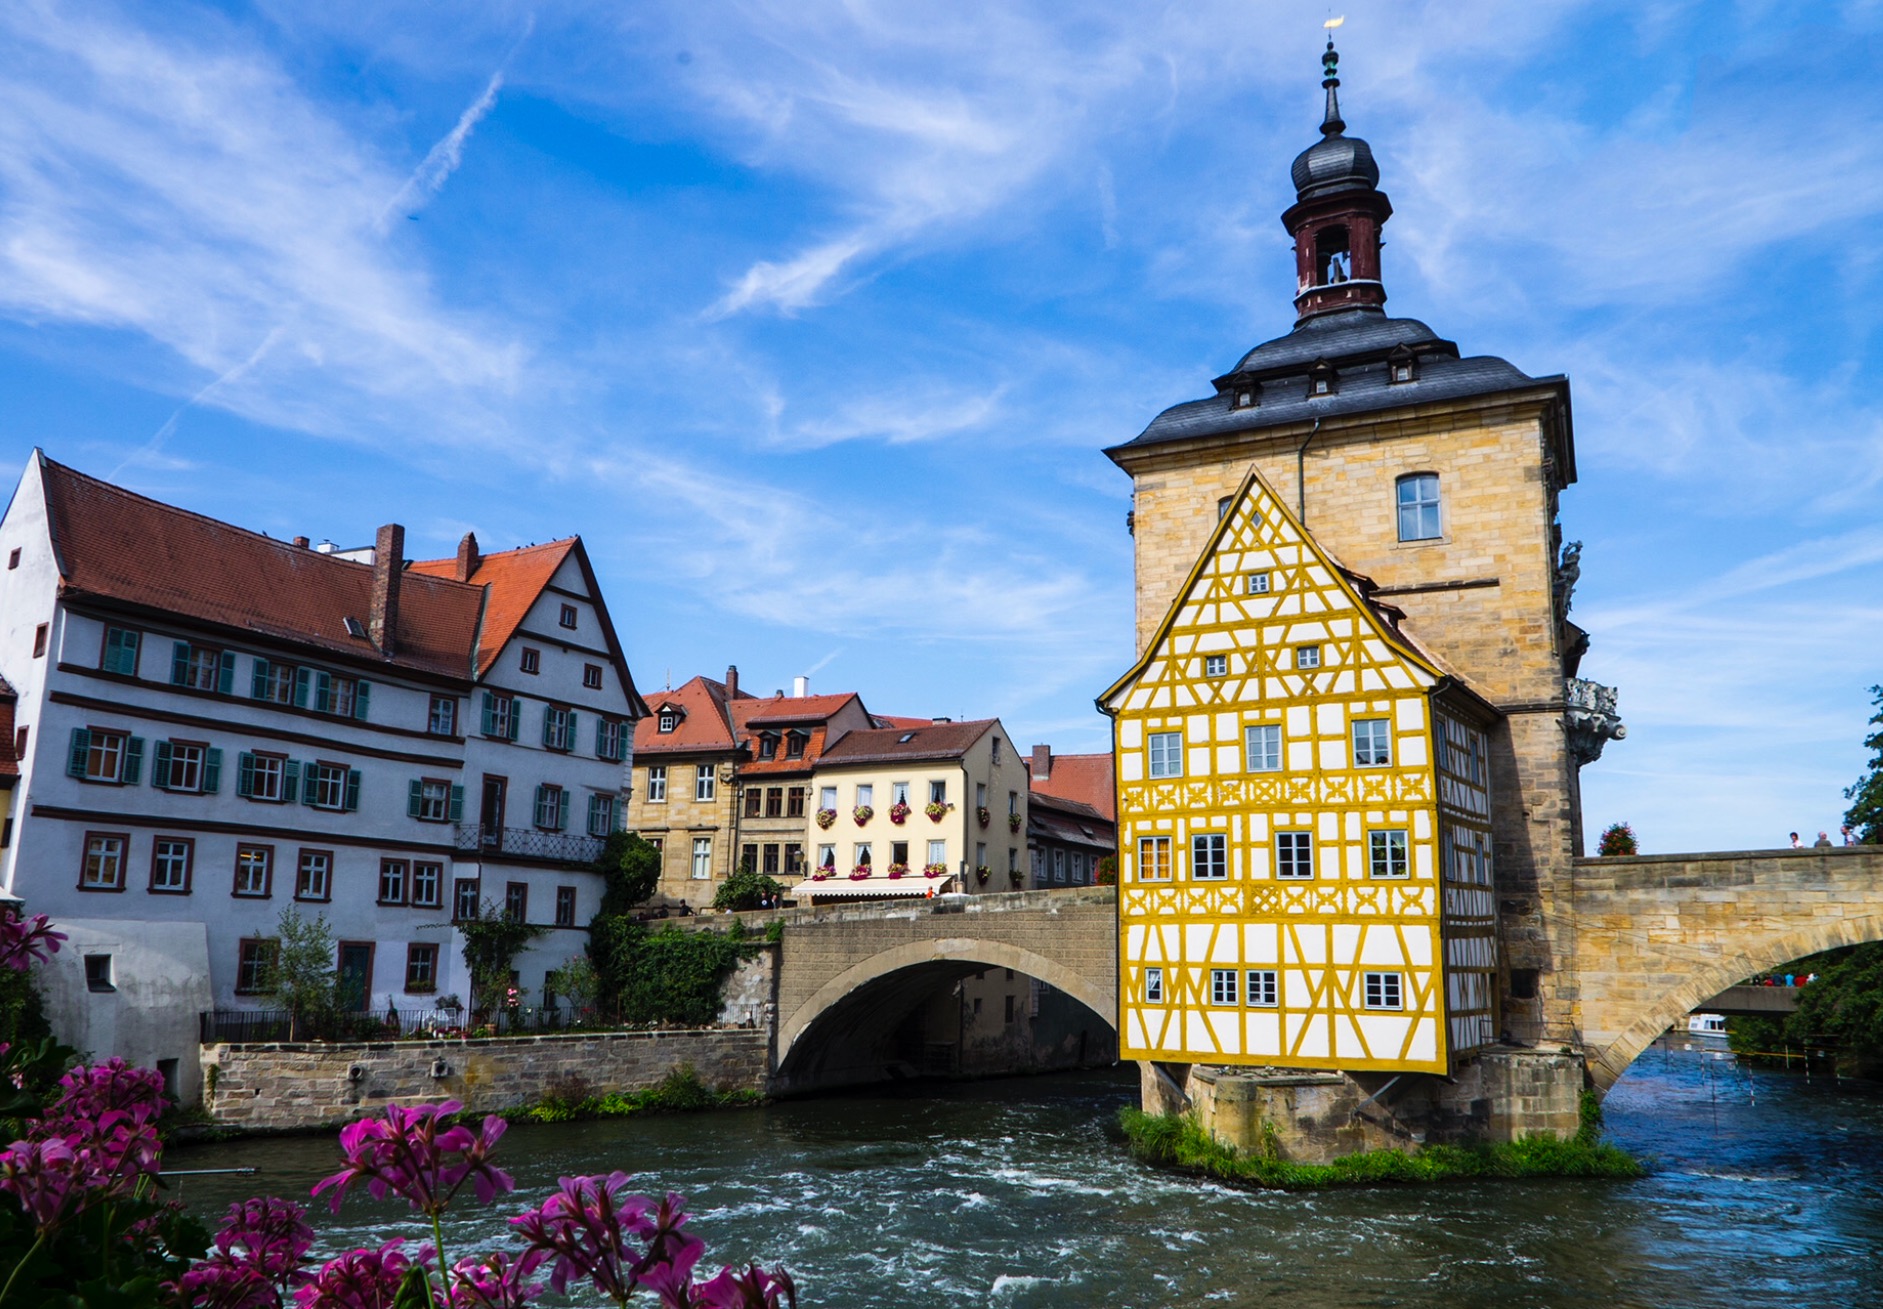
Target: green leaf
point(415, 1291)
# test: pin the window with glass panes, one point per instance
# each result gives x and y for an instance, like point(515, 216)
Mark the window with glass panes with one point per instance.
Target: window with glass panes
point(1154, 858)
point(254, 867)
point(601, 815)
point(657, 784)
point(702, 857)
point(1294, 854)
point(313, 879)
point(464, 899)
point(1222, 986)
point(428, 880)
point(254, 962)
point(421, 967)
point(1381, 991)
point(516, 901)
point(273, 682)
point(1386, 853)
point(565, 906)
point(1166, 753)
point(794, 802)
point(392, 881)
point(1372, 743)
point(1263, 992)
point(558, 728)
point(1154, 986)
point(170, 865)
point(703, 782)
point(443, 720)
point(1418, 507)
point(1209, 857)
point(552, 807)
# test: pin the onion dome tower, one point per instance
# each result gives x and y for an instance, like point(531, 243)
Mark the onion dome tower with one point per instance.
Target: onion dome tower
point(1337, 215)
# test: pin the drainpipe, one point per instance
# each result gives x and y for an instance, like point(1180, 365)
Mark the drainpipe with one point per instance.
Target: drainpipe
point(1301, 483)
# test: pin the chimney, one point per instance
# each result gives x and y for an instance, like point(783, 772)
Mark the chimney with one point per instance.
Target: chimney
point(388, 566)
point(732, 681)
point(800, 687)
point(468, 558)
point(1042, 762)
point(300, 542)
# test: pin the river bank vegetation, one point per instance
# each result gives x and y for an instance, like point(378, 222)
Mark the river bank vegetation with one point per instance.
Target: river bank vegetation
point(1176, 1141)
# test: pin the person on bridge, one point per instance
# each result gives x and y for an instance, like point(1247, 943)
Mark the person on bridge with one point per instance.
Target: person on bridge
point(1794, 841)
point(1823, 842)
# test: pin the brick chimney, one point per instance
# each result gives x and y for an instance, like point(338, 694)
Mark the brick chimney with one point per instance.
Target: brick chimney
point(1042, 767)
point(468, 557)
point(388, 567)
point(732, 682)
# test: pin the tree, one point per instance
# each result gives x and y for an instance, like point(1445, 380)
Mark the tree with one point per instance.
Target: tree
point(630, 868)
point(1866, 811)
point(300, 977)
point(743, 890)
point(492, 941)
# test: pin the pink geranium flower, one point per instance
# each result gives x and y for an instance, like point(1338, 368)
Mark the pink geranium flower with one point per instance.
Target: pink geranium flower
point(23, 941)
point(405, 1153)
point(359, 1279)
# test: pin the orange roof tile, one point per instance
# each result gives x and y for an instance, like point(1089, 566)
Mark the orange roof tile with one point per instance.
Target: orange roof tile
point(810, 713)
point(1083, 778)
point(115, 545)
point(512, 579)
point(930, 740)
point(703, 727)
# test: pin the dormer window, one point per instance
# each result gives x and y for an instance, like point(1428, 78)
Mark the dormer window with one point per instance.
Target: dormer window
point(1244, 395)
point(668, 720)
point(768, 746)
point(794, 744)
point(1402, 366)
point(1322, 379)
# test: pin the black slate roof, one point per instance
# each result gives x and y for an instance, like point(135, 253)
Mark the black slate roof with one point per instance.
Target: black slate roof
point(1357, 343)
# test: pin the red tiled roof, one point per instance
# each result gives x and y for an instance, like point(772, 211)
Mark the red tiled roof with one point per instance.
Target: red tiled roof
point(116, 545)
point(1084, 778)
point(894, 720)
point(703, 727)
point(782, 710)
point(512, 579)
point(929, 740)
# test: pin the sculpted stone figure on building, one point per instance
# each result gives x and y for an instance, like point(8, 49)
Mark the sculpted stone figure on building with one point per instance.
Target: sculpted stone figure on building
point(1352, 632)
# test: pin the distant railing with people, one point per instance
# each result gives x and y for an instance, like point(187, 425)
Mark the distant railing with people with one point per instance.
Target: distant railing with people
point(263, 1026)
point(529, 843)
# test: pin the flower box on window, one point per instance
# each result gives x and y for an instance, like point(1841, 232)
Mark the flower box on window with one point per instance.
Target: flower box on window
point(934, 870)
point(982, 873)
point(860, 872)
point(898, 870)
point(899, 813)
point(982, 813)
point(937, 809)
point(1013, 822)
point(825, 817)
point(862, 813)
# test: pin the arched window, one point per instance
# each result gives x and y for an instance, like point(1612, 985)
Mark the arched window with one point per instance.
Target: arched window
point(1418, 507)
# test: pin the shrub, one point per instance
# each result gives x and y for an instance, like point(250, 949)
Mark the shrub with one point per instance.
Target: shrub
point(1618, 839)
point(744, 889)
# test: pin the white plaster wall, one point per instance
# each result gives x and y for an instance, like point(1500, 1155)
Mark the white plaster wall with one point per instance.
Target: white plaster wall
point(161, 975)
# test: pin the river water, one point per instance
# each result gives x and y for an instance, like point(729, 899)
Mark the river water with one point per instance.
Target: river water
point(1767, 1190)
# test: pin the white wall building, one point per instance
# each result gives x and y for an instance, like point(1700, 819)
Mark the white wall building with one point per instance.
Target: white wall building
point(213, 725)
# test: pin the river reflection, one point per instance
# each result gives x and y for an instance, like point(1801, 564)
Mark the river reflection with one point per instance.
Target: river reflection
point(1767, 1191)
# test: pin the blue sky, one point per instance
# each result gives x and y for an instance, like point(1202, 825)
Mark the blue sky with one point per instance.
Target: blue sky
point(813, 317)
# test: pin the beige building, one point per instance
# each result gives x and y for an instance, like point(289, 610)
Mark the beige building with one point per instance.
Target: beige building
point(682, 798)
point(906, 811)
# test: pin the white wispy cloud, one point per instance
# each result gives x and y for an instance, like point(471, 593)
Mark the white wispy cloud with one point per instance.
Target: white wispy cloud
point(442, 160)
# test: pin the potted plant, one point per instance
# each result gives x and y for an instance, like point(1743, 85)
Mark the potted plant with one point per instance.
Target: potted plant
point(821, 875)
point(1013, 822)
point(1019, 877)
point(825, 817)
point(898, 870)
point(862, 813)
point(982, 873)
point(937, 809)
point(899, 812)
point(934, 870)
point(860, 872)
point(982, 813)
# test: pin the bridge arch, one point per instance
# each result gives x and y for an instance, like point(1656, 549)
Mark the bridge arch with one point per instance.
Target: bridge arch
point(1639, 1027)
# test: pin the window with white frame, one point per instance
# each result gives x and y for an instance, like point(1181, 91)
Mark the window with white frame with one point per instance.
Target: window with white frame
point(1294, 854)
point(431, 800)
point(187, 766)
point(866, 795)
point(1418, 507)
point(657, 784)
point(827, 798)
point(268, 777)
point(898, 793)
point(1307, 656)
point(1386, 853)
point(1256, 583)
point(1153, 986)
point(611, 739)
point(1262, 992)
point(938, 852)
point(1381, 991)
point(103, 869)
point(552, 807)
point(1372, 743)
point(329, 786)
point(501, 716)
point(392, 881)
point(170, 865)
point(826, 856)
point(1166, 753)
point(1222, 986)
point(1059, 865)
point(313, 878)
point(1215, 665)
point(428, 881)
point(702, 857)
point(938, 792)
point(601, 815)
point(703, 782)
point(443, 720)
point(273, 682)
point(1209, 857)
point(102, 755)
point(1153, 858)
point(1261, 747)
point(558, 728)
point(254, 870)
point(668, 721)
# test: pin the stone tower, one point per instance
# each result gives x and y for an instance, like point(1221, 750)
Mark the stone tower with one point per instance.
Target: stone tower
point(1437, 476)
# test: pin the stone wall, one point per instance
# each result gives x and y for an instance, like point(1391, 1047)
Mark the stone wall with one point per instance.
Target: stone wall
point(289, 1087)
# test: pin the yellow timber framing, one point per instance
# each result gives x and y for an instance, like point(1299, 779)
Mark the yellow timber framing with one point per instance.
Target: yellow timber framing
point(1342, 967)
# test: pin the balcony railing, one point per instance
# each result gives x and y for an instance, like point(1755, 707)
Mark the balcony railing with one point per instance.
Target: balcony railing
point(529, 843)
point(1590, 718)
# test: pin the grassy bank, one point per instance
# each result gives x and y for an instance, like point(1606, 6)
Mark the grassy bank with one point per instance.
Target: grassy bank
point(1175, 1141)
point(569, 1100)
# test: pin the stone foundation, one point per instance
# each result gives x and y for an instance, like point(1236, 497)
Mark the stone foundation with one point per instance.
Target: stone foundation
point(1316, 1117)
point(296, 1087)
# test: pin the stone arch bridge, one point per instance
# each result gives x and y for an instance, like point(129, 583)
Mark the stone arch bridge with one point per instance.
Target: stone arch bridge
point(1646, 940)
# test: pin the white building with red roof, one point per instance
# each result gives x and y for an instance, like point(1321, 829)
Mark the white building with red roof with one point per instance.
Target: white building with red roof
point(213, 725)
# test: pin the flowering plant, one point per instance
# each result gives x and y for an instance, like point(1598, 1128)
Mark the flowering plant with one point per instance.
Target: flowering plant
point(821, 875)
point(1018, 875)
point(25, 941)
point(937, 809)
point(984, 814)
point(1013, 822)
point(982, 873)
point(825, 817)
point(934, 870)
point(899, 812)
point(862, 813)
point(898, 870)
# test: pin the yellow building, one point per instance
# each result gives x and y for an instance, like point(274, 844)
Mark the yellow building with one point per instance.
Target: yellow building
point(1303, 821)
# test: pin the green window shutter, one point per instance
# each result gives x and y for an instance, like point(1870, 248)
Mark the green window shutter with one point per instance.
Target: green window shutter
point(290, 779)
point(562, 811)
point(490, 712)
point(516, 717)
point(601, 739)
point(225, 676)
point(258, 681)
point(160, 767)
point(536, 810)
point(323, 692)
point(360, 694)
point(120, 651)
point(549, 716)
point(245, 774)
point(133, 760)
point(303, 678)
point(457, 804)
point(415, 799)
point(81, 751)
point(568, 732)
point(308, 789)
point(353, 790)
point(133, 642)
point(212, 770)
point(180, 663)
